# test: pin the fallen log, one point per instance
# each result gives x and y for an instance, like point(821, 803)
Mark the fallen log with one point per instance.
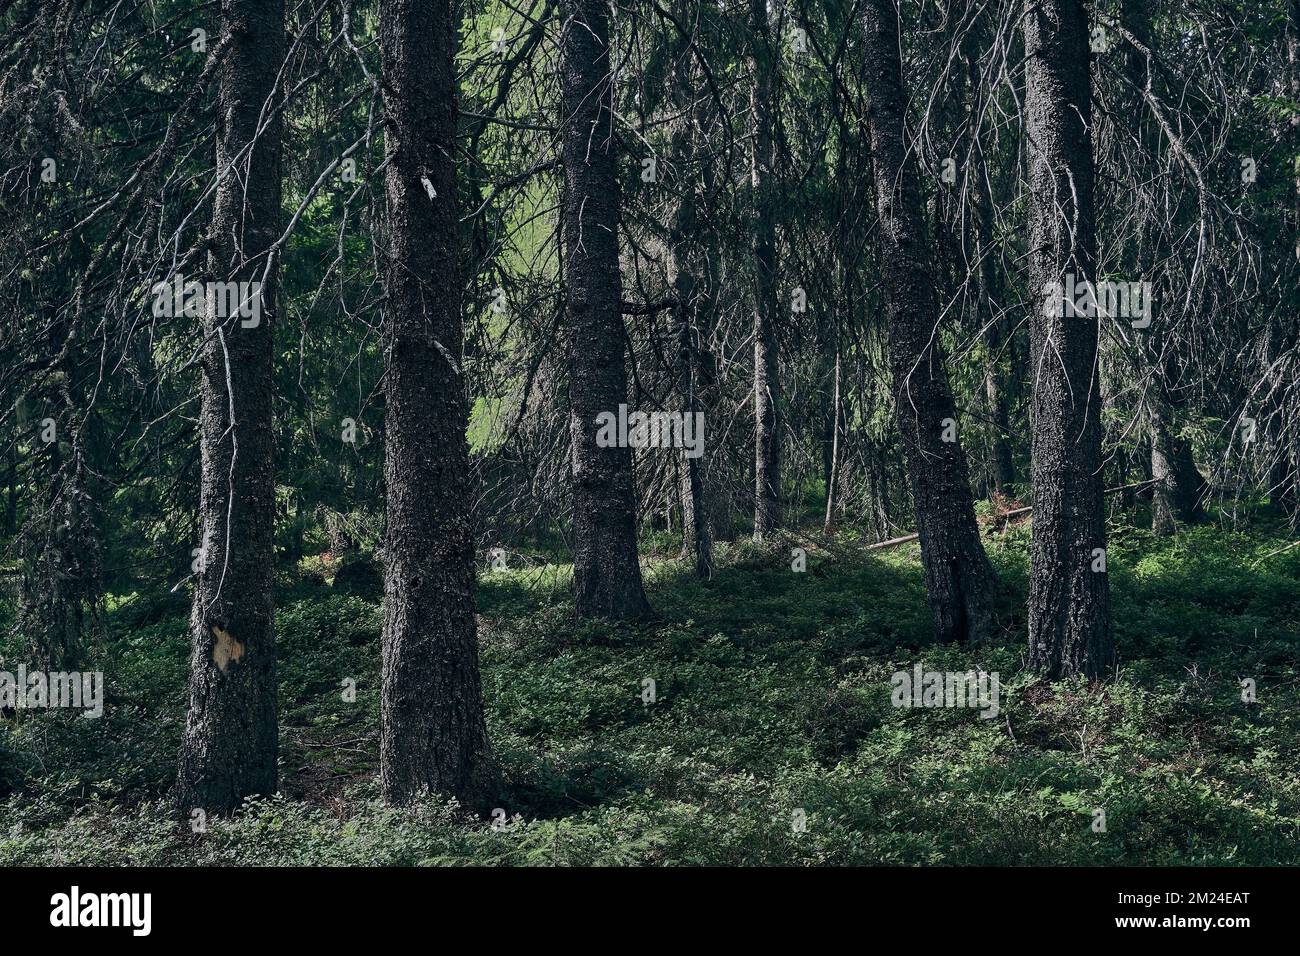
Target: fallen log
point(1003, 517)
point(1258, 561)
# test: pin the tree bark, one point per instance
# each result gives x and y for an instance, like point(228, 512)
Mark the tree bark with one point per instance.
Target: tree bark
point(1176, 492)
point(690, 267)
point(606, 572)
point(11, 497)
point(1069, 602)
point(697, 537)
point(833, 472)
point(1165, 513)
point(432, 732)
point(1293, 81)
point(1178, 489)
point(957, 573)
point(767, 380)
point(1002, 469)
point(230, 744)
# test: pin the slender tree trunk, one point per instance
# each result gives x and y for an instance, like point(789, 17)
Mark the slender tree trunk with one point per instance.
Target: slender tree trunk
point(767, 381)
point(988, 301)
point(1112, 431)
point(1069, 596)
point(432, 733)
point(995, 335)
point(1003, 469)
point(683, 476)
point(1165, 511)
point(878, 489)
point(606, 572)
point(833, 473)
point(230, 744)
point(1178, 486)
point(11, 496)
point(696, 534)
point(688, 257)
point(957, 573)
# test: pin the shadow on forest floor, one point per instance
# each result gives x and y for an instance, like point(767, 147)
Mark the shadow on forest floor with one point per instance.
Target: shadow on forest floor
point(771, 705)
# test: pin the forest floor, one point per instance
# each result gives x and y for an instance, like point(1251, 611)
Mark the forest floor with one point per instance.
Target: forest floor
point(772, 706)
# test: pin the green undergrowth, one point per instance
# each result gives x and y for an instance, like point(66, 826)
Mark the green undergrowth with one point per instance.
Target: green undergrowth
point(771, 738)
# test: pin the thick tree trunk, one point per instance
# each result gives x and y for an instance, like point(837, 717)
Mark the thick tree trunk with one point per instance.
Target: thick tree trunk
point(230, 744)
point(432, 732)
point(767, 380)
point(60, 594)
point(1293, 81)
point(1069, 595)
point(957, 573)
point(606, 572)
point(1285, 474)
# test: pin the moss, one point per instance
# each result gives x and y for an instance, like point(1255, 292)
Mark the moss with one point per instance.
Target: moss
point(771, 707)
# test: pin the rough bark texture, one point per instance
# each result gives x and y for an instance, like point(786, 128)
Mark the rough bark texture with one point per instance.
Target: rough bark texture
point(606, 572)
point(832, 473)
point(432, 733)
point(690, 268)
point(957, 573)
point(1069, 602)
point(697, 537)
point(1293, 81)
point(230, 744)
point(767, 381)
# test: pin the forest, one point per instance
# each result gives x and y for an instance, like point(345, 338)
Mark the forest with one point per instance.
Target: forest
point(649, 432)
